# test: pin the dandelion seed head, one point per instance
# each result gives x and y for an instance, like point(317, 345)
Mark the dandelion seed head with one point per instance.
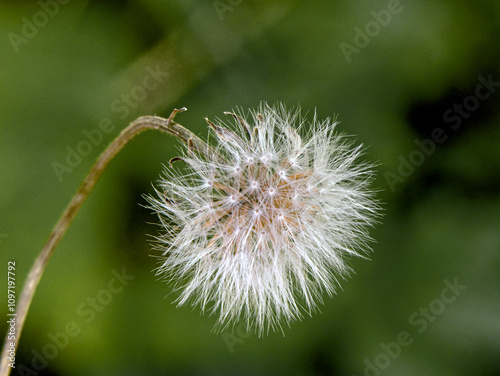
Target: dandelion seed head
point(262, 228)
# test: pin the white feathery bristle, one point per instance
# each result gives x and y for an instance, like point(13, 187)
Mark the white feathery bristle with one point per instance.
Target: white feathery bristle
point(262, 228)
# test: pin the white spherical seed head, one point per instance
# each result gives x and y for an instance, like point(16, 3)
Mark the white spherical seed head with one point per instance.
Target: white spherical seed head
point(267, 229)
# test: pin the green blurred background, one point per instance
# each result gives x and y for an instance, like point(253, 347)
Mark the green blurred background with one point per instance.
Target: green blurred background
point(75, 69)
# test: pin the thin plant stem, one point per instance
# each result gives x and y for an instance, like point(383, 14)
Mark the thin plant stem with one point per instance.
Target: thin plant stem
point(35, 274)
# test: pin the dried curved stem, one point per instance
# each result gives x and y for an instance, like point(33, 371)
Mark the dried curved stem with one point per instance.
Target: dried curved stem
point(35, 274)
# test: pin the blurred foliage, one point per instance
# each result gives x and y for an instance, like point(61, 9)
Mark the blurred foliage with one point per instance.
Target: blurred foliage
point(441, 222)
